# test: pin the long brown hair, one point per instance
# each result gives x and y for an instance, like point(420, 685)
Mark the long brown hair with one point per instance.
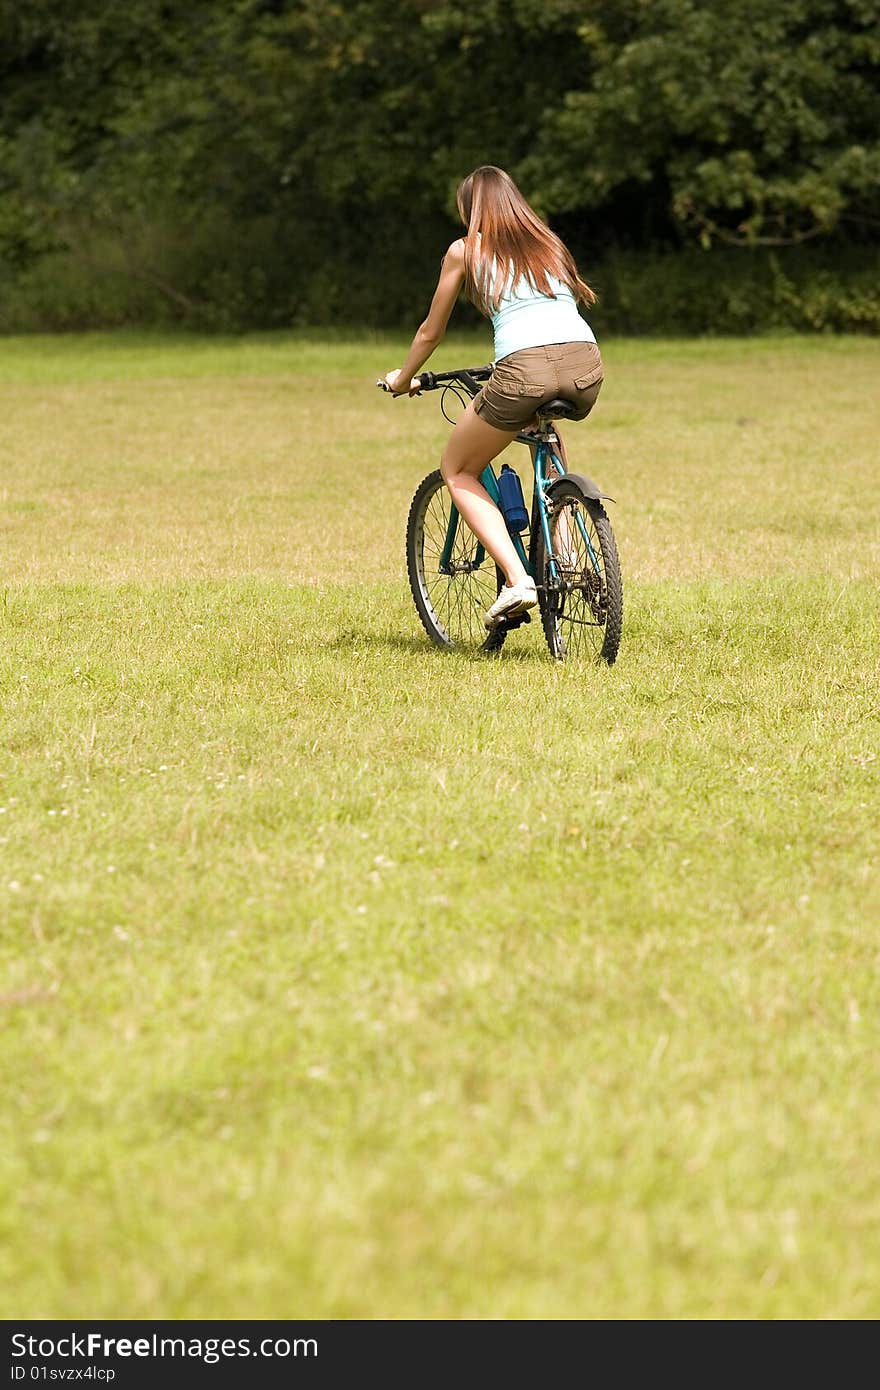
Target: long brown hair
point(501, 226)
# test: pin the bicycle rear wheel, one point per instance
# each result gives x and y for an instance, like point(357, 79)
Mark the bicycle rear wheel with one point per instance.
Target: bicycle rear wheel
point(452, 578)
point(582, 605)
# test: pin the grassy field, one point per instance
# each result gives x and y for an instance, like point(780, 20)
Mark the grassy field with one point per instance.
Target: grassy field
point(342, 977)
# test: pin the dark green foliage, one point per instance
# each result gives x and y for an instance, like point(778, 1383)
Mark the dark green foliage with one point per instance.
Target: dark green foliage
point(729, 291)
point(271, 162)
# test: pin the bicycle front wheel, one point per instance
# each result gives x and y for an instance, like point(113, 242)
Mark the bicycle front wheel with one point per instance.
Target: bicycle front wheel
point(452, 577)
point(582, 602)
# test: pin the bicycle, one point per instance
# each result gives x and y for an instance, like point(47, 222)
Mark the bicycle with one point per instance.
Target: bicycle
point(572, 554)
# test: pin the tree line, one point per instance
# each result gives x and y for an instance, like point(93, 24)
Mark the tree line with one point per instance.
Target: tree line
point(237, 163)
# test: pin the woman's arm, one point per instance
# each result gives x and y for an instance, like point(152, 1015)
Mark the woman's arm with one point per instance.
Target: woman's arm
point(432, 330)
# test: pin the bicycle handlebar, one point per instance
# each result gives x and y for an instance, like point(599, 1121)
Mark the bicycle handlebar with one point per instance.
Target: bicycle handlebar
point(431, 380)
point(468, 377)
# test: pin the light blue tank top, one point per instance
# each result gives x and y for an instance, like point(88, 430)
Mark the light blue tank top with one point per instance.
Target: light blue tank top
point(526, 319)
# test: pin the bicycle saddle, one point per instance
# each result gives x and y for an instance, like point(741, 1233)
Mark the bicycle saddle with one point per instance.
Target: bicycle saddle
point(557, 410)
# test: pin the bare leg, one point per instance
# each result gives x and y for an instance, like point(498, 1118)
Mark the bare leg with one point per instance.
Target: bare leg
point(560, 448)
point(472, 444)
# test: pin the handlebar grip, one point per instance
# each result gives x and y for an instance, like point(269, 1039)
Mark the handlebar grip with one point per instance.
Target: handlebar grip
point(426, 381)
point(383, 386)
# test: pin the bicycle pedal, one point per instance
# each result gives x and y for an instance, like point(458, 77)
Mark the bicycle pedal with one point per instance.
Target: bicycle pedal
point(515, 620)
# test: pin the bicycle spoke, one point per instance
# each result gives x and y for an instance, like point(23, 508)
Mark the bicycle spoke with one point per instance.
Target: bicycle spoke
point(456, 596)
point(577, 610)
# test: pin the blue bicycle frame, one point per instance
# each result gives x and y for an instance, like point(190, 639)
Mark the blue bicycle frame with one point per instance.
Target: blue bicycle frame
point(546, 459)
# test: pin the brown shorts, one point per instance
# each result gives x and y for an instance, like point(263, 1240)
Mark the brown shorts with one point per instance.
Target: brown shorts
point(523, 381)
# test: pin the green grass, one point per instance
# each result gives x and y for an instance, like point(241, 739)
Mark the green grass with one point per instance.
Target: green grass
point(346, 978)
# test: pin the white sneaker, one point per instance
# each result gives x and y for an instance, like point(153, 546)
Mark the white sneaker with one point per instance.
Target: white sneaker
point(512, 599)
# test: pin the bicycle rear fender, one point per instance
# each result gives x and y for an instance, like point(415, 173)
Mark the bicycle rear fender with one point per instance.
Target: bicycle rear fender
point(585, 486)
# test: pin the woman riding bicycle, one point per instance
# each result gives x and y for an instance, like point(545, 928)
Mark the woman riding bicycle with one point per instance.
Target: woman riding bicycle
point(521, 275)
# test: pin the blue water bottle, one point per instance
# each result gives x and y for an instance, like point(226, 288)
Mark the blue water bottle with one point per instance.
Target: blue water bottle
point(513, 505)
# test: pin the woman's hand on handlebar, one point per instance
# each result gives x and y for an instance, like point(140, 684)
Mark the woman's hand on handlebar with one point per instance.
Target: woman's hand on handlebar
point(393, 379)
